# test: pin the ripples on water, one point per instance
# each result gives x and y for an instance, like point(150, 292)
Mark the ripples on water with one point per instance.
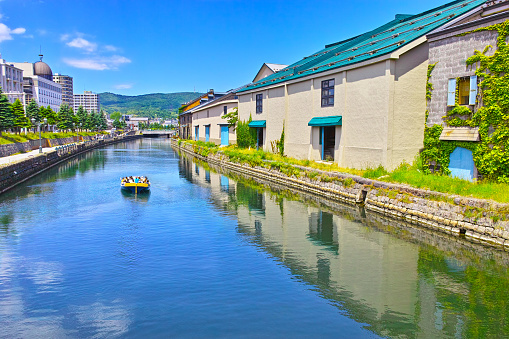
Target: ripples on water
point(209, 254)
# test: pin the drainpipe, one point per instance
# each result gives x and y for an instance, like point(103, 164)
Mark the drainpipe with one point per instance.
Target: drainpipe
point(323, 142)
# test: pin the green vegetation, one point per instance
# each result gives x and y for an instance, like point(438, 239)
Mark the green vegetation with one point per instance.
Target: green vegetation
point(9, 138)
point(491, 155)
point(160, 105)
point(405, 173)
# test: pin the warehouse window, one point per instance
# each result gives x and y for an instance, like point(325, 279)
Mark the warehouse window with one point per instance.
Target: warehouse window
point(328, 93)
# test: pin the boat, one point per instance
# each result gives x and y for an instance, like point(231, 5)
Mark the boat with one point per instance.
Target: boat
point(135, 184)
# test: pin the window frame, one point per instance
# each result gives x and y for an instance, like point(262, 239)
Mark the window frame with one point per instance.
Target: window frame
point(259, 103)
point(326, 98)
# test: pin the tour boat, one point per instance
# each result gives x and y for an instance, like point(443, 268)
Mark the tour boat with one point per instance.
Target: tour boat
point(135, 184)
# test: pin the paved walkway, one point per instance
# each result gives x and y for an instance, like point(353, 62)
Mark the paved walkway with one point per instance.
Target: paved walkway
point(23, 156)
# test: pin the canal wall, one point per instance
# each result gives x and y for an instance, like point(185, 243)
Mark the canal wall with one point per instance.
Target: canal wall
point(24, 147)
point(478, 220)
point(18, 172)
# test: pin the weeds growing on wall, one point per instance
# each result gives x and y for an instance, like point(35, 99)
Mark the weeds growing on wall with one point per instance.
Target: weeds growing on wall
point(246, 136)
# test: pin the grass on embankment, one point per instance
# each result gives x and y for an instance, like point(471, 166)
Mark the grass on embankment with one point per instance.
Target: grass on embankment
point(10, 138)
point(404, 174)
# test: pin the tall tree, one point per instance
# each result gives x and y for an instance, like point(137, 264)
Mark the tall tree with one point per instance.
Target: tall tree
point(103, 122)
point(20, 120)
point(82, 117)
point(65, 118)
point(33, 111)
point(6, 115)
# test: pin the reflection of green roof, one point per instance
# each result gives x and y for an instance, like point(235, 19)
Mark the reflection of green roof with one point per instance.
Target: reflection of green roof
point(326, 121)
point(381, 41)
point(258, 123)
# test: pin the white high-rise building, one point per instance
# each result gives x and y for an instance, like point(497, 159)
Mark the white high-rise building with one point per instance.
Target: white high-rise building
point(11, 81)
point(89, 101)
point(38, 84)
point(67, 88)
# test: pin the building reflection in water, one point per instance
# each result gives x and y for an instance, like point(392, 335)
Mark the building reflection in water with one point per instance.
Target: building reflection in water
point(397, 283)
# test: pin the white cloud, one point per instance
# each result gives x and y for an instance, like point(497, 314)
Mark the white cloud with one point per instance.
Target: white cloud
point(110, 48)
point(64, 37)
point(98, 63)
point(82, 44)
point(6, 33)
point(123, 86)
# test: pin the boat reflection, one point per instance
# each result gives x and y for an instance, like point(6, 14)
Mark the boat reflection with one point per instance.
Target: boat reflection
point(398, 280)
point(140, 197)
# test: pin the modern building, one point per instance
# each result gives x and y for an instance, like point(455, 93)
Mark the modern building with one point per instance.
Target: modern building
point(88, 100)
point(456, 95)
point(134, 122)
point(358, 102)
point(66, 82)
point(207, 122)
point(268, 69)
point(38, 84)
point(11, 81)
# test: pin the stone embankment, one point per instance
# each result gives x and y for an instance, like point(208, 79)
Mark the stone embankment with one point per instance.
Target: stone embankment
point(16, 173)
point(23, 147)
point(478, 220)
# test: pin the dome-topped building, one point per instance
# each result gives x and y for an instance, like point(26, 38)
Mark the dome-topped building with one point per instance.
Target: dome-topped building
point(43, 70)
point(39, 85)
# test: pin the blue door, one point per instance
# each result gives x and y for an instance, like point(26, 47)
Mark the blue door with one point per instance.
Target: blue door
point(461, 164)
point(196, 133)
point(207, 133)
point(224, 136)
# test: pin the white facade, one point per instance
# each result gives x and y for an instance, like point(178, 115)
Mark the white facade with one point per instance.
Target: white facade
point(11, 81)
point(89, 101)
point(38, 85)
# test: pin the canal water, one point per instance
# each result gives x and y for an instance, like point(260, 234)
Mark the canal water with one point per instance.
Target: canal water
point(211, 254)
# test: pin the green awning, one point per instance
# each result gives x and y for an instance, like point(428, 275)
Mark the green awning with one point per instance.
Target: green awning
point(258, 123)
point(335, 120)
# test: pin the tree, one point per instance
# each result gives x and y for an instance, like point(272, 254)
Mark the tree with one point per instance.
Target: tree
point(103, 122)
point(232, 118)
point(33, 111)
point(82, 116)
point(116, 116)
point(20, 120)
point(65, 118)
point(6, 115)
point(50, 115)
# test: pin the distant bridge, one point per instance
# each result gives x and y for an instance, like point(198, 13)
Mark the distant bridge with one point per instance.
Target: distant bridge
point(158, 134)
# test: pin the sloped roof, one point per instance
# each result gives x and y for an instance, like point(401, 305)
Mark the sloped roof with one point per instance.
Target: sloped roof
point(276, 67)
point(381, 41)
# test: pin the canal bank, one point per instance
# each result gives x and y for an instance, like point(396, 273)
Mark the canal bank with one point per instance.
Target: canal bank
point(18, 172)
point(478, 220)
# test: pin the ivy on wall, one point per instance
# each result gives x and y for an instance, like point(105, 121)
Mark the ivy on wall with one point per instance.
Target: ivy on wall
point(491, 155)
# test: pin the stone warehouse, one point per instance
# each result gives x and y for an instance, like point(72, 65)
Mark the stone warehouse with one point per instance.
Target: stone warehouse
point(359, 102)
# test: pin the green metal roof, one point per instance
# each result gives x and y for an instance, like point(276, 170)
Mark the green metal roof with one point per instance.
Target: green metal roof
point(258, 123)
point(326, 121)
point(383, 40)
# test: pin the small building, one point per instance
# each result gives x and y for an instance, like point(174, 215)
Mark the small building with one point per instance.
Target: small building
point(133, 123)
point(88, 100)
point(208, 124)
point(66, 82)
point(358, 102)
point(186, 116)
point(268, 69)
point(456, 95)
point(38, 84)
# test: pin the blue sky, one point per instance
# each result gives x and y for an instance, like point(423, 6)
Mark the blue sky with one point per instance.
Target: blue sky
point(138, 47)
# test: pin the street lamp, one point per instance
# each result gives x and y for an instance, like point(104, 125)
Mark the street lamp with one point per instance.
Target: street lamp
point(39, 128)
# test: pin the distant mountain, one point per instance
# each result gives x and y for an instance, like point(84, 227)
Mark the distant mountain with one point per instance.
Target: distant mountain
point(164, 105)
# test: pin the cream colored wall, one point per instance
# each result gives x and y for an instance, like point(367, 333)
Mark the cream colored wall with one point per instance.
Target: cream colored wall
point(214, 119)
point(247, 108)
point(406, 138)
point(365, 118)
point(300, 106)
point(275, 106)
